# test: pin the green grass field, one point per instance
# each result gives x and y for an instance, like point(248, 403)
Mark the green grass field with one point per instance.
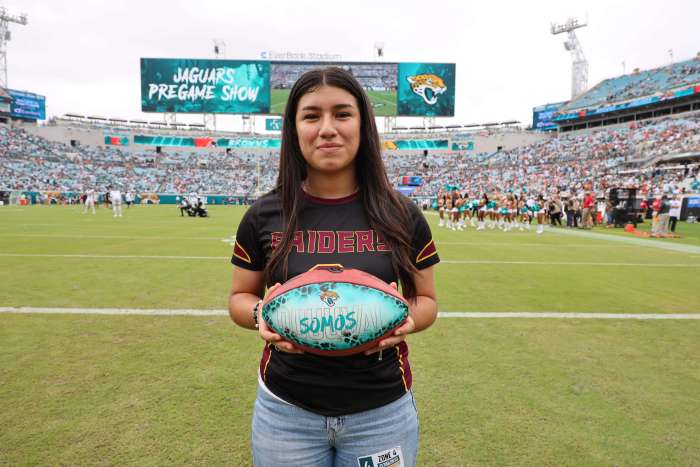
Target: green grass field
point(86, 389)
point(383, 102)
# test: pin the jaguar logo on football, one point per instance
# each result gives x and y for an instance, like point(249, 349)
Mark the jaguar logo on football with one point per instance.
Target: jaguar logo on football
point(329, 297)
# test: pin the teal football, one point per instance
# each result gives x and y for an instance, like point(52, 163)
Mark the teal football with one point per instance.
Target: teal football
point(334, 311)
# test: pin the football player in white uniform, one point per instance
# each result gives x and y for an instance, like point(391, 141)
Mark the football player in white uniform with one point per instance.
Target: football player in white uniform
point(116, 197)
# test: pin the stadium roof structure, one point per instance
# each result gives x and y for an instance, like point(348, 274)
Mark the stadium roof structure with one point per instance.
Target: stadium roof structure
point(4, 94)
point(638, 84)
point(641, 95)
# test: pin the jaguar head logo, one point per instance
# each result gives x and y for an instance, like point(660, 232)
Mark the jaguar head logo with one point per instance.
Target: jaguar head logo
point(329, 297)
point(389, 145)
point(427, 86)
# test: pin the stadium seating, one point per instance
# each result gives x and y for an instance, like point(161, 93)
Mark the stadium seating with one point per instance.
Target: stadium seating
point(639, 84)
point(565, 163)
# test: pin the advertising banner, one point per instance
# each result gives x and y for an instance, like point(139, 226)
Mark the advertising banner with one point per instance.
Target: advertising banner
point(207, 142)
point(273, 124)
point(413, 144)
point(116, 140)
point(462, 145)
point(205, 86)
point(251, 143)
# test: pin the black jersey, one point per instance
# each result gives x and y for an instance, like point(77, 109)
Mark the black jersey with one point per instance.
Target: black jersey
point(331, 231)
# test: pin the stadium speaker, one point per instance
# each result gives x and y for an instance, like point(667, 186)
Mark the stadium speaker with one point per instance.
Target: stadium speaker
point(500, 148)
point(425, 152)
point(228, 150)
point(74, 143)
point(158, 149)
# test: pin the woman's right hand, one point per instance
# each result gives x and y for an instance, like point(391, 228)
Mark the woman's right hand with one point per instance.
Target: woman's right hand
point(271, 337)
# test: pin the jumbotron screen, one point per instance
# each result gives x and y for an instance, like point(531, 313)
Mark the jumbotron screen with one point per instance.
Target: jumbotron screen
point(542, 116)
point(27, 105)
point(262, 87)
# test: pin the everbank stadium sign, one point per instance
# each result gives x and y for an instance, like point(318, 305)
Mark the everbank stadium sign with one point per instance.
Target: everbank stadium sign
point(289, 55)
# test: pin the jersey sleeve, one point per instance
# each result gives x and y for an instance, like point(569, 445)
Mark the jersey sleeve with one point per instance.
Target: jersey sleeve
point(424, 253)
point(247, 251)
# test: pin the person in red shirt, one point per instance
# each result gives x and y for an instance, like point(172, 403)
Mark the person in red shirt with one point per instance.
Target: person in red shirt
point(588, 208)
point(644, 206)
point(655, 208)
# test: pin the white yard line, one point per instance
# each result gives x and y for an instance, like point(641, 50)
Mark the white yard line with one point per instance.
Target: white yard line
point(442, 314)
point(575, 263)
point(537, 245)
point(120, 237)
point(603, 237)
point(114, 311)
point(473, 262)
point(566, 315)
point(643, 242)
point(79, 256)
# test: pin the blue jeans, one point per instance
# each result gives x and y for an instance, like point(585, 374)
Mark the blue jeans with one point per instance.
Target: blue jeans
point(287, 435)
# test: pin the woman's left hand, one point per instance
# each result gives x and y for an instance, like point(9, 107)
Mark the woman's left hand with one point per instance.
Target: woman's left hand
point(398, 335)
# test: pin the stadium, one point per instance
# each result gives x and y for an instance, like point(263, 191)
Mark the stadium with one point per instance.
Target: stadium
point(567, 288)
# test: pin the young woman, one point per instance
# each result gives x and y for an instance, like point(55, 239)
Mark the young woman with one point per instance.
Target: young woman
point(333, 204)
point(441, 209)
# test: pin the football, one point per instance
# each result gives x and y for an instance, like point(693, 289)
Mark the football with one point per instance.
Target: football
point(333, 311)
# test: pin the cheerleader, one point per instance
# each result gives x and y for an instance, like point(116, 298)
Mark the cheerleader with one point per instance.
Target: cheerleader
point(482, 211)
point(456, 204)
point(466, 210)
point(448, 210)
point(491, 210)
point(441, 209)
point(541, 213)
point(524, 214)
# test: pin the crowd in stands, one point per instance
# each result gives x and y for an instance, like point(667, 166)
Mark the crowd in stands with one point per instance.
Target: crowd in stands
point(31, 163)
point(600, 159)
point(639, 84)
point(597, 159)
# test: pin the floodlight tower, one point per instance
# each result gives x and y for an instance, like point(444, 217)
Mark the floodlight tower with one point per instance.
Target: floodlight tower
point(219, 48)
point(5, 20)
point(219, 53)
point(389, 121)
point(579, 64)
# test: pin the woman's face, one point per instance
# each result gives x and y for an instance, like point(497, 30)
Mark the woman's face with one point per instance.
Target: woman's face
point(328, 128)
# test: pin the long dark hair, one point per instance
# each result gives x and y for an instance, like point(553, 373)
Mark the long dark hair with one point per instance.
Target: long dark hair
point(387, 212)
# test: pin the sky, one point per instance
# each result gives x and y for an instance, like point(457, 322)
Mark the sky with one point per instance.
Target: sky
point(83, 55)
